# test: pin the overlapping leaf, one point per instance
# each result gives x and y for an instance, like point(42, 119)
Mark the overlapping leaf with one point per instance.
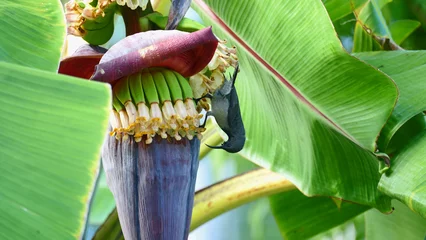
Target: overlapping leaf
point(374, 225)
point(401, 29)
point(51, 127)
point(300, 217)
point(408, 69)
point(303, 97)
point(407, 180)
point(401, 224)
point(371, 23)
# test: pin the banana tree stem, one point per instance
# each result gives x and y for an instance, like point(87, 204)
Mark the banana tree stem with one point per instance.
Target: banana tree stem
point(234, 192)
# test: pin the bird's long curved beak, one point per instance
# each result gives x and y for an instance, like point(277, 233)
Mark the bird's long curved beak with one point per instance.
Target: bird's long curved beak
point(177, 12)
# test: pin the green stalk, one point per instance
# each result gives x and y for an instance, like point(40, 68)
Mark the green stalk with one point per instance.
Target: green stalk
point(234, 192)
point(211, 137)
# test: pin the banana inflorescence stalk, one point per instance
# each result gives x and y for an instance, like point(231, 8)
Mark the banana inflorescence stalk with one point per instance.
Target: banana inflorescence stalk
point(155, 101)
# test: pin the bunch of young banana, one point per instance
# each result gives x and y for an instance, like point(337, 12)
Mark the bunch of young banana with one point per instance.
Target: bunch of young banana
point(154, 101)
point(211, 78)
point(91, 20)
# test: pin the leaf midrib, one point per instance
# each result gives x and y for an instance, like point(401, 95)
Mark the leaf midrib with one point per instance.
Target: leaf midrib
point(209, 12)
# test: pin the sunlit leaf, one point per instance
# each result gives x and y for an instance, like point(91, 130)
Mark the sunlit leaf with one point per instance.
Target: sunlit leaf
point(408, 70)
point(51, 131)
point(32, 33)
point(302, 98)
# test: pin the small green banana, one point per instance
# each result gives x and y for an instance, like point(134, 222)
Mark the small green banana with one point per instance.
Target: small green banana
point(161, 86)
point(184, 85)
point(99, 30)
point(151, 95)
point(165, 106)
point(117, 104)
point(122, 115)
point(136, 90)
point(173, 84)
point(99, 36)
point(166, 101)
point(149, 88)
point(122, 91)
point(188, 96)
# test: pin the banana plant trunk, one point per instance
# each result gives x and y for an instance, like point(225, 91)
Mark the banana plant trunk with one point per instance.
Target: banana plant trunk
point(153, 186)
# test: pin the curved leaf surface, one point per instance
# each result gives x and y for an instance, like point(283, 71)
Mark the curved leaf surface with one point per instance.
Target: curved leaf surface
point(374, 225)
point(300, 217)
point(371, 15)
point(32, 33)
point(408, 70)
point(303, 97)
point(407, 178)
point(401, 29)
point(51, 131)
point(309, 60)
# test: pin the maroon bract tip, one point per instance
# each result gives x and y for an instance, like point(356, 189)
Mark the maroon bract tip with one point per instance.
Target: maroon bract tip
point(185, 53)
point(82, 63)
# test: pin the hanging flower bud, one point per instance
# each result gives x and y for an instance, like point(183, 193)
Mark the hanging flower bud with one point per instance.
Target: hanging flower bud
point(151, 155)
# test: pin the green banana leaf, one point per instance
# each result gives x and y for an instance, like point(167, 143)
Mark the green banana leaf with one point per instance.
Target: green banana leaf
point(402, 10)
point(320, 218)
point(103, 202)
point(32, 33)
point(51, 127)
point(353, 229)
point(371, 225)
point(384, 20)
point(406, 180)
point(418, 7)
point(51, 132)
point(311, 111)
point(401, 29)
point(401, 224)
point(371, 19)
point(338, 9)
point(371, 15)
point(300, 217)
point(408, 70)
